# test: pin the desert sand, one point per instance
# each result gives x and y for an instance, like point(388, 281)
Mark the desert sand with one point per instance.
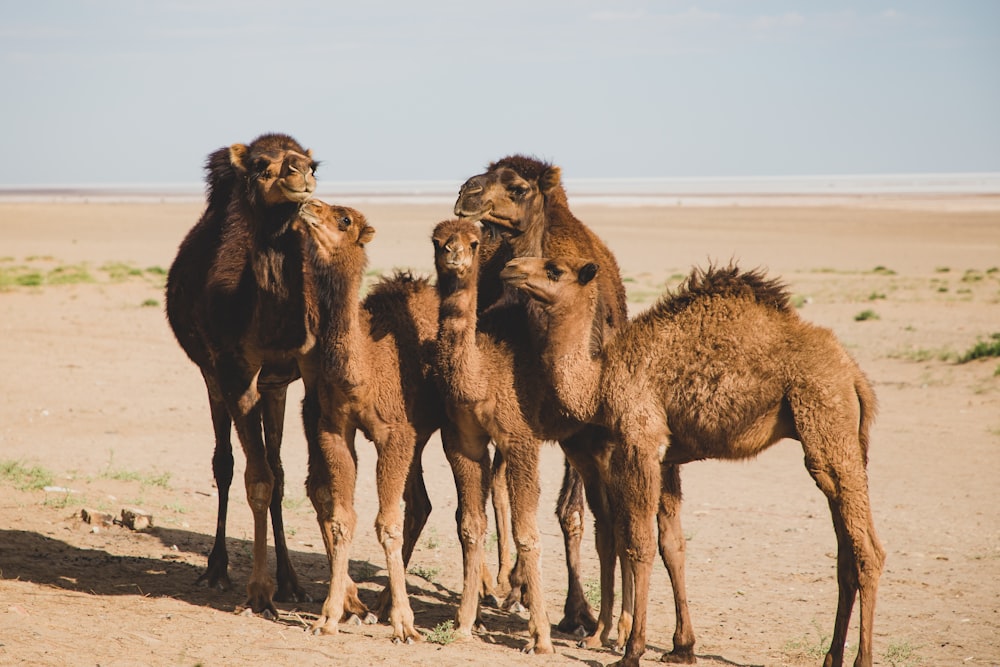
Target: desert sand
point(97, 398)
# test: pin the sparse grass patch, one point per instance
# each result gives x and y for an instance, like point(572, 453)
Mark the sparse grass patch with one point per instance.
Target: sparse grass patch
point(592, 592)
point(443, 633)
point(428, 573)
point(865, 315)
point(901, 654)
point(150, 303)
point(807, 646)
point(432, 541)
point(972, 276)
point(883, 271)
point(69, 274)
point(120, 271)
point(798, 301)
point(875, 296)
point(921, 354)
point(25, 478)
point(982, 349)
point(941, 269)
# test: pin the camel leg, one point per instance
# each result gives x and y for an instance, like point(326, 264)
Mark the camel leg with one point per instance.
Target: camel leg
point(860, 558)
point(273, 409)
point(391, 472)
point(578, 618)
point(672, 552)
point(330, 485)
point(587, 456)
point(417, 510)
point(525, 489)
point(501, 515)
point(217, 573)
point(238, 383)
point(468, 455)
point(635, 486)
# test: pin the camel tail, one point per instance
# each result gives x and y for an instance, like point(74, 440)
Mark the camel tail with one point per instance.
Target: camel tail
point(869, 409)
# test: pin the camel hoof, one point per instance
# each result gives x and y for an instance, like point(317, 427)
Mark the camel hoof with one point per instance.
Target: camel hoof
point(370, 619)
point(682, 657)
point(480, 627)
point(267, 614)
point(353, 619)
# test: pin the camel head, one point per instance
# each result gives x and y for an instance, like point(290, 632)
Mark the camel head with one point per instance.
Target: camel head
point(456, 244)
point(276, 169)
point(551, 281)
point(332, 228)
point(511, 194)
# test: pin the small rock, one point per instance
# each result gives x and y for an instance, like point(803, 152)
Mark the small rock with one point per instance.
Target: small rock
point(96, 517)
point(136, 519)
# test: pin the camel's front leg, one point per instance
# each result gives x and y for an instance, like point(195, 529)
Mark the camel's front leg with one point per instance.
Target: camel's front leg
point(635, 491)
point(501, 515)
point(238, 382)
point(578, 618)
point(523, 482)
point(468, 454)
point(395, 455)
point(672, 552)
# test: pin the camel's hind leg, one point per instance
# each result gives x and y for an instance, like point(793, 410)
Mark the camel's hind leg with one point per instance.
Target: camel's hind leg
point(217, 573)
point(417, 510)
point(578, 618)
point(672, 552)
point(836, 460)
point(273, 404)
point(391, 472)
point(500, 496)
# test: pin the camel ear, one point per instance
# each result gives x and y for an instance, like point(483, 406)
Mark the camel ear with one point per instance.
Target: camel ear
point(550, 178)
point(367, 234)
point(586, 273)
point(237, 156)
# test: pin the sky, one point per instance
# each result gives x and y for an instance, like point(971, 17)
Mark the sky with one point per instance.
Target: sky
point(107, 92)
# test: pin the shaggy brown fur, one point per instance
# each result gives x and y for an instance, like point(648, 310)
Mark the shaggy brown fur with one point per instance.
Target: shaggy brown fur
point(489, 378)
point(722, 369)
point(235, 303)
point(374, 374)
point(522, 199)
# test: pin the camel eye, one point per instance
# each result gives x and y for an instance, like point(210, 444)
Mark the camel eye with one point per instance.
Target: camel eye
point(553, 272)
point(345, 222)
point(474, 245)
point(518, 190)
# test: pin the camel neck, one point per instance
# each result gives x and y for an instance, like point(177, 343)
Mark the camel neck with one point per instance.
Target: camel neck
point(569, 360)
point(458, 357)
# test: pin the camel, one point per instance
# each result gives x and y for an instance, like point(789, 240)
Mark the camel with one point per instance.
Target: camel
point(234, 300)
point(373, 373)
point(487, 366)
point(522, 200)
point(723, 368)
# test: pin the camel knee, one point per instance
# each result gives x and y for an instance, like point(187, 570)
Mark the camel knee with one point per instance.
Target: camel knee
point(259, 495)
point(390, 535)
point(572, 524)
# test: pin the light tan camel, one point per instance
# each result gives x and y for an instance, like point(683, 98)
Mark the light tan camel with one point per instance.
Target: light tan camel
point(723, 368)
point(374, 373)
point(487, 379)
point(237, 302)
point(522, 200)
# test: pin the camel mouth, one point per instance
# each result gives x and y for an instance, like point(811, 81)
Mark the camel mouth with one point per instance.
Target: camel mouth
point(298, 196)
point(497, 227)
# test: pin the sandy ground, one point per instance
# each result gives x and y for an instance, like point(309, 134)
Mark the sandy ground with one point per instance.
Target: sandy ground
point(96, 394)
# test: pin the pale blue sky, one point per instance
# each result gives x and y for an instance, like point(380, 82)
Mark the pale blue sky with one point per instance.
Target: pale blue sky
point(119, 91)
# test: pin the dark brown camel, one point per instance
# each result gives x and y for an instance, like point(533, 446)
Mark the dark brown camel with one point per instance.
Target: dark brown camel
point(237, 302)
point(374, 373)
point(522, 200)
point(723, 369)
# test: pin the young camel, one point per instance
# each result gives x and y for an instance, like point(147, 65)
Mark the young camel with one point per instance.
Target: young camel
point(374, 373)
point(722, 369)
point(487, 375)
point(521, 200)
point(236, 303)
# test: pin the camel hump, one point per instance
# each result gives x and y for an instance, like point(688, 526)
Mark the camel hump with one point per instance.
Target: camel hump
point(731, 282)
